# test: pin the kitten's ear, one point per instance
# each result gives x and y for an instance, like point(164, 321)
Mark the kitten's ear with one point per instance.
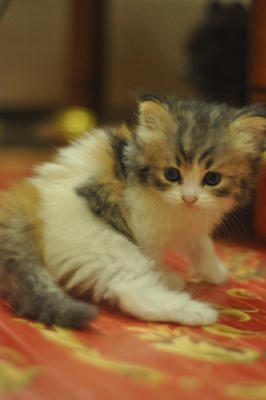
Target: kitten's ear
point(154, 114)
point(250, 126)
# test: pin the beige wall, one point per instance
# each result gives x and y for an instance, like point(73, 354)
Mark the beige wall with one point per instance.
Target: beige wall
point(33, 53)
point(144, 50)
point(145, 47)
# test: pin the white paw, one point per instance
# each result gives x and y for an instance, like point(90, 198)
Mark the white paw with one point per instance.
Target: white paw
point(218, 274)
point(197, 313)
point(173, 280)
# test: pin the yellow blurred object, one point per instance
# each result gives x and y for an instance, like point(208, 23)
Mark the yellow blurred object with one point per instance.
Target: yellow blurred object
point(73, 122)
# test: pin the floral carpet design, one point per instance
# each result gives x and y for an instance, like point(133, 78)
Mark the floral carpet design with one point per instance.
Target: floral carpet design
point(122, 358)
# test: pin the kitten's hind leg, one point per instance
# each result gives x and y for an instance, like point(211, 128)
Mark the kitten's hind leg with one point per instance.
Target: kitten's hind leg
point(24, 281)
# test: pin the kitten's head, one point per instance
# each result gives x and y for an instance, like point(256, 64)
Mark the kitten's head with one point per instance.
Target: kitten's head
point(196, 155)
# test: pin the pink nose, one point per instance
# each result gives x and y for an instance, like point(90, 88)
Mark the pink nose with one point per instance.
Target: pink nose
point(189, 199)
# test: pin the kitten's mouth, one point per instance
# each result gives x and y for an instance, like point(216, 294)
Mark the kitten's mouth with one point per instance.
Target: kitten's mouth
point(190, 205)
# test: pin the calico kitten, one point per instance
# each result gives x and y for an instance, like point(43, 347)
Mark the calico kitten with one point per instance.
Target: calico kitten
point(98, 219)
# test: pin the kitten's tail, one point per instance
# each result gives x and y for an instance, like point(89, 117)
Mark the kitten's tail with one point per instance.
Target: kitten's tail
point(24, 281)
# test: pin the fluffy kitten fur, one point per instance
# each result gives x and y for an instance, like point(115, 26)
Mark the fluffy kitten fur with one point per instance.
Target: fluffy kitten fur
point(98, 219)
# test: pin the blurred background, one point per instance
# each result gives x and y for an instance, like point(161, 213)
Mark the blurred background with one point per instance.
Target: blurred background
point(67, 65)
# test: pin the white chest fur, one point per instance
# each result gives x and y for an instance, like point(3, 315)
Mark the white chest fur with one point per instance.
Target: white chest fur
point(158, 227)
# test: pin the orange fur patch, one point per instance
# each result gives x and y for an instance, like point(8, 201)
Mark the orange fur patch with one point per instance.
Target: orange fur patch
point(23, 201)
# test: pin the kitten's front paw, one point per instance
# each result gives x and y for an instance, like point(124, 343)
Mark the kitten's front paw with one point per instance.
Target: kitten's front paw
point(218, 274)
point(214, 272)
point(197, 313)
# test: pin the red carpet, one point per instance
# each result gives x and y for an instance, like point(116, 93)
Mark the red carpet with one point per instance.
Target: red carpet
point(121, 358)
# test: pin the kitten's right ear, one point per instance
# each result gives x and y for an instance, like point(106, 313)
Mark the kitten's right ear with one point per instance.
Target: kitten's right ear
point(250, 128)
point(154, 114)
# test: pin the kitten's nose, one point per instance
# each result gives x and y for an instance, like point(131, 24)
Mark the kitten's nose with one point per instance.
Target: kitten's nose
point(189, 199)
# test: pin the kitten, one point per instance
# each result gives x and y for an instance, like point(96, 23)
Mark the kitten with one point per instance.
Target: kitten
point(98, 219)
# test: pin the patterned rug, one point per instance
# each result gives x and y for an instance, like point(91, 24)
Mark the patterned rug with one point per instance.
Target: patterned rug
point(118, 357)
point(121, 358)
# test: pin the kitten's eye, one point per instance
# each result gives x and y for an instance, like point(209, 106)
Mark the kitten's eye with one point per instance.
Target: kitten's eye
point(212, 178)
point(172, 174)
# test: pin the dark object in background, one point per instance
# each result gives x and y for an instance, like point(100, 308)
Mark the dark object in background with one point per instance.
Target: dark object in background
point(217, 54)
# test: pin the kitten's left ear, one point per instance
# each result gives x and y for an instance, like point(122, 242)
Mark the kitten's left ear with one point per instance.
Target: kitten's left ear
point(154, 114)
point(250, 126)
